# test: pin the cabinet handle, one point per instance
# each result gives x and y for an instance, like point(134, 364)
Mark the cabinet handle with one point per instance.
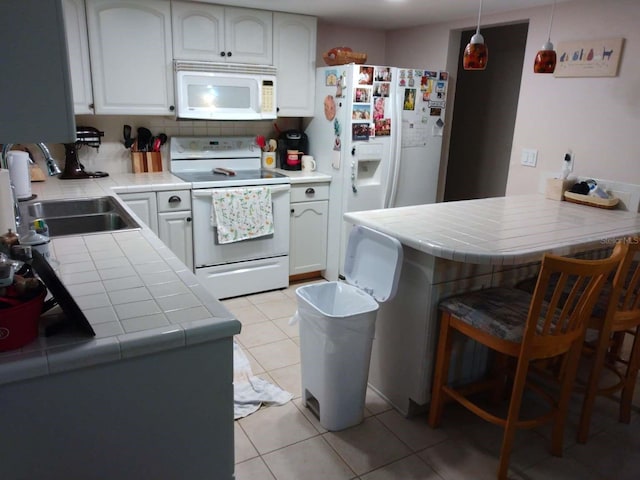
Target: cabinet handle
point(228, 54)
point(172, 108)
point(188, 219)
point(223, 54)
point(174, 199)
point(91, 106)
point(309, 191)
point(293, 210)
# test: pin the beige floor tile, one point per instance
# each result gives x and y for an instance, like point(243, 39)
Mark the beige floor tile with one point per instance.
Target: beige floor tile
point(293, 331)
point(311, 459)
point(288, 378)
point(409, 468)
point(237, 302)
point(256, 368)
point(272, 428)
point(611, 455)
point(249, 314)
point(560, 468)
point(272, 296)
point(259, 334)
point(277, 354)
point(254, 469)
point(367, 446)
point(278, 308)
point(413, 431)
point(309, 415)
point(244, 449)
point(459, 460)
point(375, 403)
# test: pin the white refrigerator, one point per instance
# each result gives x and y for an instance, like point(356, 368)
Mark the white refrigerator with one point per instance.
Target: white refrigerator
point(378, 132)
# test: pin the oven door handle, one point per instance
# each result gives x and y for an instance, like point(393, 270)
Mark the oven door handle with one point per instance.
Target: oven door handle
point(274, 189)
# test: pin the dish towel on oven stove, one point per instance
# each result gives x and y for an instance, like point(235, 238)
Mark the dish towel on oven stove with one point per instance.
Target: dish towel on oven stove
point(241, 213)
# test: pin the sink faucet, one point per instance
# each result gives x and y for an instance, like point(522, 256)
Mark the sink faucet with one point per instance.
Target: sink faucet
point(52, 169)
point(52, 165)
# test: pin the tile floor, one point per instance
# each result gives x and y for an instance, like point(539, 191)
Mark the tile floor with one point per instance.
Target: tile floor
point(288, 443)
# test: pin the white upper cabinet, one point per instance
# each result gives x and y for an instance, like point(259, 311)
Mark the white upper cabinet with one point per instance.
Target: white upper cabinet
point(294, 46)
point(222, 34)
point(75, 23)
point(131, 56)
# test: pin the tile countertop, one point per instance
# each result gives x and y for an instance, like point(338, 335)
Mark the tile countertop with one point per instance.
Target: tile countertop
point(501, 231)
point(137, 295)
point(298, 176)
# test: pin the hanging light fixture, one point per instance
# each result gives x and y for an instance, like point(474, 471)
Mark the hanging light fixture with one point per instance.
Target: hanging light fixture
point(546, 58)
point(476, 52)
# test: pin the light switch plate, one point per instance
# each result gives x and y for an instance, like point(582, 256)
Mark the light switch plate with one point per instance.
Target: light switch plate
point(529, 157)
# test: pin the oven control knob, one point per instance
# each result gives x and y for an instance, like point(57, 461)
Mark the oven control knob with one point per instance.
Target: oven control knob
point(174, 199)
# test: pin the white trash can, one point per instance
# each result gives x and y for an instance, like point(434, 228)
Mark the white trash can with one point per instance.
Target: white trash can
point(337, 326)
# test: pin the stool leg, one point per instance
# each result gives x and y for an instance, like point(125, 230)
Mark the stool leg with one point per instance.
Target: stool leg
point(441, 372)
point(592, 385)
point(631, 375)
point(568, 380)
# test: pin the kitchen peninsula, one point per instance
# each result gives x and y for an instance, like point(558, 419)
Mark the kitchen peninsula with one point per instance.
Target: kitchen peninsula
point(454, 247)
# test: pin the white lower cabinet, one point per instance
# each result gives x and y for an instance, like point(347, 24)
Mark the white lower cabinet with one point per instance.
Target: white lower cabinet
point(174, 224)
point(168, 214)
point(144, 205)
point(308, 237)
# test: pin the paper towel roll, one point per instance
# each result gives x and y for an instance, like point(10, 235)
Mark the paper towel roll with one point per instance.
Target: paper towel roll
point(7, 215)
point(18, 163)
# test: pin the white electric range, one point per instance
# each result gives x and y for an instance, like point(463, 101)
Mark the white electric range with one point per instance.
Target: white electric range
point(244, 267)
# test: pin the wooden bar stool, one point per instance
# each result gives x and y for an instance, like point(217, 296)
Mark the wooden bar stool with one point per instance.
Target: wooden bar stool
point(618, 316)
point(523, 327)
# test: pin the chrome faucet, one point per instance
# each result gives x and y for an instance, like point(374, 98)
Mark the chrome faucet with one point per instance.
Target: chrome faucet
point(52, 169)
point(52, 165)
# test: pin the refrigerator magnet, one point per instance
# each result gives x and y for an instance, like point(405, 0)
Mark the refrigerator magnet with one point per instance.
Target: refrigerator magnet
point(360, 131)
point(329, 107)
point(383, 74)
point(361, 112)
point(409, 99)
point(435, 112)
point(331, 78)
point(383, 127)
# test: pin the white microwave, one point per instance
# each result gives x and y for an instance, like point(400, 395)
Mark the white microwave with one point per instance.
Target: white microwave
point(220, 91)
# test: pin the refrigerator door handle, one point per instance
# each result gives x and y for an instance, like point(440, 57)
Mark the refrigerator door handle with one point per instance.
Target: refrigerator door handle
point(396, 144)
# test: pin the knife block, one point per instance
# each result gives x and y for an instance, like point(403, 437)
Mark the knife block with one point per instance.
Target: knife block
point(146, 162)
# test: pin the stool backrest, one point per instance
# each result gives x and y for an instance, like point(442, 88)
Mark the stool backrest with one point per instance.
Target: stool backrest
point(564, 297)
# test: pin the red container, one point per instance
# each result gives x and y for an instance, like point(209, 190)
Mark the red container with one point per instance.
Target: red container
point(19, 324)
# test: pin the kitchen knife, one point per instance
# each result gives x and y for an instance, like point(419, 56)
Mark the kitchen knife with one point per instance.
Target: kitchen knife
point(126, 132)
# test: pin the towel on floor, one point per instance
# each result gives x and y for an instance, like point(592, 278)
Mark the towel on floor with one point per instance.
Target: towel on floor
point(241, 213)
point(250, 392)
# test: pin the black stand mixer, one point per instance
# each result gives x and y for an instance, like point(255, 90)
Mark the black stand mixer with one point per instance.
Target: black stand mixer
point(73, 169)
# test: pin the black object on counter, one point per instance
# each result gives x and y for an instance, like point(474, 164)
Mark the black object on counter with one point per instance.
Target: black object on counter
point(582, 188)
point(295, 140)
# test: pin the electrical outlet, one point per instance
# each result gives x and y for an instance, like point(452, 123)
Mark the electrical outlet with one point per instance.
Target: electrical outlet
point(569, 159)
point(529, 157)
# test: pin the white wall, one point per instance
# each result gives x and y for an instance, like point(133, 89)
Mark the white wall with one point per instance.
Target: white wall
point(597, 118)
point(363, 40)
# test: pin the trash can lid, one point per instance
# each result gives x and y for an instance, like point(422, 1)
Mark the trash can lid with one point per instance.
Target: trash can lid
point(373, 262)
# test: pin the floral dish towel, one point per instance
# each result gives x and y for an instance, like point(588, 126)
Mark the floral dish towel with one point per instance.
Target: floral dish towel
point(241, 213)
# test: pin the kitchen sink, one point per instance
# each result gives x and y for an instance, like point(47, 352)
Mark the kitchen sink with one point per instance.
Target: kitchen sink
point(65, 208)
point(78, 216)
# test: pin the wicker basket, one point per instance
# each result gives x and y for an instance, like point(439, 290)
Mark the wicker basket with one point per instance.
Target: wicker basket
point(342, 56)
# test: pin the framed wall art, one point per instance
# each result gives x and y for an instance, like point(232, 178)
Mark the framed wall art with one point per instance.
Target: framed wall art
point(589, 58)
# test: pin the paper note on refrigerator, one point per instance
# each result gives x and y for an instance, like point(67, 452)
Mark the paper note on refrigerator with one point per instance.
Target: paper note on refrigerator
point(414, 134)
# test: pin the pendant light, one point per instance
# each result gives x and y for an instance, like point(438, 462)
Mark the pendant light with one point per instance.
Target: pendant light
point(476, 52)
point(546, 58)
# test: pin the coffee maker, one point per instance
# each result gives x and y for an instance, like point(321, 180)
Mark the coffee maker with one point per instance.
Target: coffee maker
point(73, 169)
point(292, 144)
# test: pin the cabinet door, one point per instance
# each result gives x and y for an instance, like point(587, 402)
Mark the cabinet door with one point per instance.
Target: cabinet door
point(308, 241)
point(144, 206)
point(294, 52)
point(248, 36)
point(75, 24)
point(175, 231)
point(131, 56)
point(198, 31)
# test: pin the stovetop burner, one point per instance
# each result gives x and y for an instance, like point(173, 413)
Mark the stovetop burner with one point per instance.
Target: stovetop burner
point(242, 177)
